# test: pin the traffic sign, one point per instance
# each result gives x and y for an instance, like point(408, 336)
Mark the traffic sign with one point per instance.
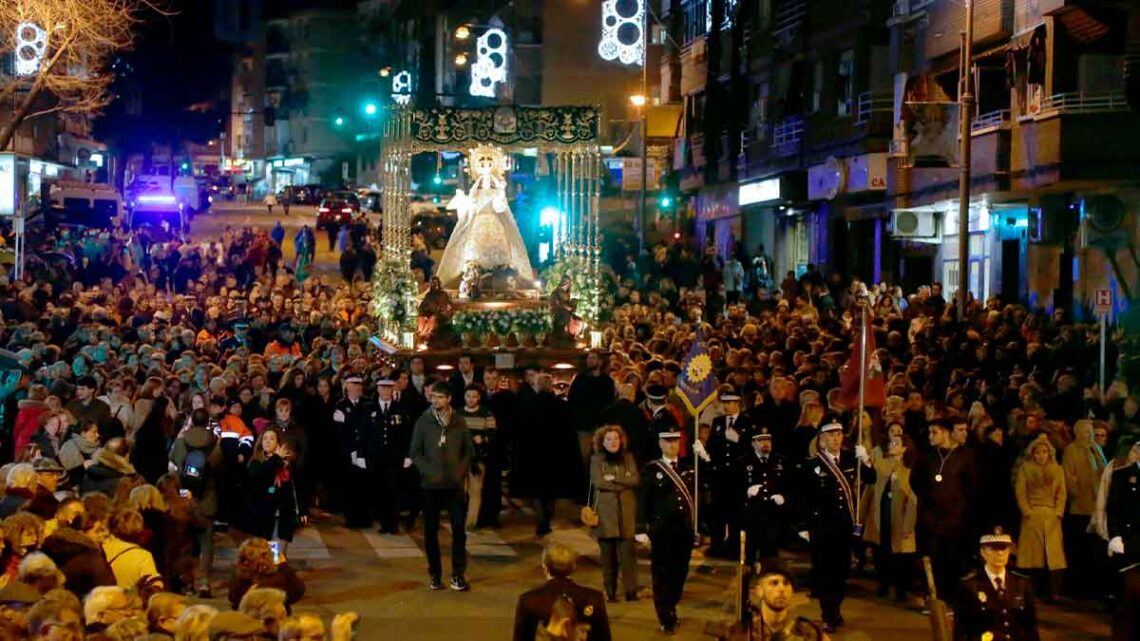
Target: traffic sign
point(1102, 301)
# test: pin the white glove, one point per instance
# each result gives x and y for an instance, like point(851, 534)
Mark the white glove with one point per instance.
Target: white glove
point(407, 463)
point(778, 499)
point(641, 538)
point(338, 416)
point(1116, 546)
point(805, 535)
point(732, 435)
point(700, 450)
point(753, 490)
point(357, 461)
point(861, 454)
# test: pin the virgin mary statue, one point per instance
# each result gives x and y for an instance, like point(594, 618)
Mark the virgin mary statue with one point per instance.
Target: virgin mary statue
point(485, 235)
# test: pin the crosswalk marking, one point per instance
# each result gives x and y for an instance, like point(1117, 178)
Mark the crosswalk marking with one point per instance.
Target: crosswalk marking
point(392, 546)
point(486, 543)
point(576, 539)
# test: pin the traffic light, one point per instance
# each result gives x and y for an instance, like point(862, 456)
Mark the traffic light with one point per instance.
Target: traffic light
point(370, 109)
point(438, 180)
point(665, 201)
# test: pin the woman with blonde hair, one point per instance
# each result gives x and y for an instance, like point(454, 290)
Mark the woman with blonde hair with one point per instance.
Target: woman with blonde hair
point(1039, 485)
point(194, 623)
point(615, 478)
point(804, 433)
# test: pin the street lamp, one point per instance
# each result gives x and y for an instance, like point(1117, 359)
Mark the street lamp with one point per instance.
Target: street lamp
point(463, 32)
point(965, 125)
point(385, 72)
point(460, 59)
point(637, 100)
point(641, 101)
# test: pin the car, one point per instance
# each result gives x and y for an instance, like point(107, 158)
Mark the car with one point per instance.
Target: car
point(337, 211)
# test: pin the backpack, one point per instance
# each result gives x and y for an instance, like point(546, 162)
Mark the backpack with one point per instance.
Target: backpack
point(193, 472)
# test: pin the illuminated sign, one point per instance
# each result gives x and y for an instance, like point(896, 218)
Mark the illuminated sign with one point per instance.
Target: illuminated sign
point(7, 184)
point(490, 67)
point(759, 192)
point(31, 44)
point(623, 36)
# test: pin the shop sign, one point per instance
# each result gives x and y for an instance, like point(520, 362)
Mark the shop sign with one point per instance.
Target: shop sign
point(759, 192)
point(7, 184)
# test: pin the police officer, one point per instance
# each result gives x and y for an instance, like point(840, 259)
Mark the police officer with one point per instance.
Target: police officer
point(387, 453)
point(828, 507)
point(727, 445)
point(761, 482)
point(995, 604)
point(353, 416)
point(661, 419)
point(665, 521)
point(1122, 511)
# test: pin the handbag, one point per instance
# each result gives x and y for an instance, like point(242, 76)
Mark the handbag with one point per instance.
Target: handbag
point(588, 515)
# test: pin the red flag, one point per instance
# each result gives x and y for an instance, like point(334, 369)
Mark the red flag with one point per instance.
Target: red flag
point(875, 387)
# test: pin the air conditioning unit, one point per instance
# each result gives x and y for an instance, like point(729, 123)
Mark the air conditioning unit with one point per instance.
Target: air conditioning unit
point(907, 223)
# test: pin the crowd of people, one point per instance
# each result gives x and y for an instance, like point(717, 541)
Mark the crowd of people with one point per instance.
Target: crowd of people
point(172, 388)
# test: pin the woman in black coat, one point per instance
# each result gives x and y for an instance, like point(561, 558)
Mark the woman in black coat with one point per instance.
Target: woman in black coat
point(273, 511)
point(152, 440)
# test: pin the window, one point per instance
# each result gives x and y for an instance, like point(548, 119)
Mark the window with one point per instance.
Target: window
point(817, 86)
point(949, 278)
point(846, 88)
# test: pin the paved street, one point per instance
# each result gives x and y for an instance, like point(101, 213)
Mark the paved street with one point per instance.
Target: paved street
point(384, 578)
point(209, 226)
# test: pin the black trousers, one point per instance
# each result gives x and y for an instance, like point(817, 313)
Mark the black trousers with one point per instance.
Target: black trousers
point(388, 490)
point(947, 562)
point(830, 567)
point(1126, 624)
point(670, 552)
point(455, 502)
point(763, 540)
point(1081, 576)
point(358, 508)
point(724, 527)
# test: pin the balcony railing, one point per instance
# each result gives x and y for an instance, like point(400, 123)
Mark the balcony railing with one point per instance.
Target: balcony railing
point(1082, 103)
point(987, 121)
point(871, 103)
point(788, 131)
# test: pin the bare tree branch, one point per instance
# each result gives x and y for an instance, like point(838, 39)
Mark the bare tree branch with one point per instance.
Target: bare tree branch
point(82, 36)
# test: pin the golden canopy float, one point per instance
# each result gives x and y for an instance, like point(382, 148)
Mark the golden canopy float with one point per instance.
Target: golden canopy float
point(485, 278)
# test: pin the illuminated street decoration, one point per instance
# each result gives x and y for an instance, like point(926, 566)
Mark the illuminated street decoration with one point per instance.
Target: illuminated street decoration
point(402, 87)
point(623, 36)
point(729, 10)
point(490, 66)
point(31, 44)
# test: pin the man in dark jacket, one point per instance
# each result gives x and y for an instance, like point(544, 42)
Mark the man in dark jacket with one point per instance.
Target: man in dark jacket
point(591, 392)
point(535, 606)
point(80, 559)
point(197, 457)
point(353, 417)
point(632, 419)
point(442, 452)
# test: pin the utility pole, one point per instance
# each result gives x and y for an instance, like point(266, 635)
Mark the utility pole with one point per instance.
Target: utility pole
point(644, 128)
point(965, 127)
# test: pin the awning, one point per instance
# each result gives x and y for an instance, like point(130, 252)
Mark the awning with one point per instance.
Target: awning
point(664, 121)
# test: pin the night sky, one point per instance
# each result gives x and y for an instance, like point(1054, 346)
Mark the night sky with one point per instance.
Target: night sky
point(176, 62)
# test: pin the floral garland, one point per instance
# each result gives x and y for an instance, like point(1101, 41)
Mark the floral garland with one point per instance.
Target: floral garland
point(394, 295)
point(501, 322)
point(584, 289)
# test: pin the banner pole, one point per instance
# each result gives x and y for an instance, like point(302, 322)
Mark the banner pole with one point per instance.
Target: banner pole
point(862, 398)
point(696, 481)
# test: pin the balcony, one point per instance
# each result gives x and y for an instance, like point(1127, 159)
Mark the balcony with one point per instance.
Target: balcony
point(869, 104)
point(992, 121)
point(1080, 103)
point(788, 21)
point(788, 132)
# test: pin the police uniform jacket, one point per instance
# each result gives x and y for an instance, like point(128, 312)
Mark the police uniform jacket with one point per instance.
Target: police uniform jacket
point(828, 500)
point(390, 435)
point(979, 610)
point(665, 507)
point(1122, 511)
point(724, 453)
point(533, 609)
point(354, 431)
point(771, 475)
